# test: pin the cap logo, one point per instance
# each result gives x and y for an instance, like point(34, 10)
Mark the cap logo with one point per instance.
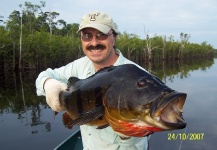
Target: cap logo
point(93, 16)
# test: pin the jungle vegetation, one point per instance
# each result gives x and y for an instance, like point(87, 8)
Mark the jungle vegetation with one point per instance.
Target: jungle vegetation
point(37, 39)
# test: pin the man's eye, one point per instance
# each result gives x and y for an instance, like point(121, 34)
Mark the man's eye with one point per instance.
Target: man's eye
point(101, 34)
point(86, 35)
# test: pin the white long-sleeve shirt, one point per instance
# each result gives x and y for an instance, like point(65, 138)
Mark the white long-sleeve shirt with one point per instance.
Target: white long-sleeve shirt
point(93, 139)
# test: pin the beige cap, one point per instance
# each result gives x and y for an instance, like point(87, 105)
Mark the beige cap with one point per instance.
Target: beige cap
point(99, 21)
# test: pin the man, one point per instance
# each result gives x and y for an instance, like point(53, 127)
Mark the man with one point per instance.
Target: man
point(98, 36)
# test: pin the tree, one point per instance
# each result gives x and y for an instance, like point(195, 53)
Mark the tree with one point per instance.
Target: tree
point(21, 37)
point(164, 46)
point(149, 47)
point(50, 17)
point(30, 12)
point(184, 41)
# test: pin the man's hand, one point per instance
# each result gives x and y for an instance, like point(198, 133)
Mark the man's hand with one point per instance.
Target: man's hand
point(52, 89)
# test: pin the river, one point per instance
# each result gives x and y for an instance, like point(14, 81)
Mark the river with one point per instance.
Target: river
point(26, 122)
point(200, 111)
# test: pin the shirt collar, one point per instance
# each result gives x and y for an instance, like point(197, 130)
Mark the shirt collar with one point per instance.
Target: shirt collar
point(91, 70)
point(119, 61)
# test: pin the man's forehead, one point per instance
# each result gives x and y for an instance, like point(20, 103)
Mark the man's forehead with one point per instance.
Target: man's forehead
point(92, 30)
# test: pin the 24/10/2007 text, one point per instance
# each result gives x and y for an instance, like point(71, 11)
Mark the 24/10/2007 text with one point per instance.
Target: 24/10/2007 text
point(186, 136)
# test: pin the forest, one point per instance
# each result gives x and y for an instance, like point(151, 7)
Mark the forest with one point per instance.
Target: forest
point(32, 38)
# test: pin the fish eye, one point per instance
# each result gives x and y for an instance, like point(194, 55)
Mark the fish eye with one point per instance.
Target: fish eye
point(140, 83)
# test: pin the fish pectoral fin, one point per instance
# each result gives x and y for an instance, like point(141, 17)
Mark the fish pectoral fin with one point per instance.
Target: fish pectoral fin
point(88, 116)
point(107, 69)
point(103, 126)
point(66, 120)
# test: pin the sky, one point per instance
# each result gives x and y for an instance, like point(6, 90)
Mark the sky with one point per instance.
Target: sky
point(154, 17)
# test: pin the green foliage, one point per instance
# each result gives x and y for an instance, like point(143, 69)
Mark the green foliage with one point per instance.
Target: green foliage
point(49, 42)
point(215, 52)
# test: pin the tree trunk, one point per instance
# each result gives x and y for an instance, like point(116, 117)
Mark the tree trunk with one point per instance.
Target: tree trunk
point(21, 34)
point(14, 56)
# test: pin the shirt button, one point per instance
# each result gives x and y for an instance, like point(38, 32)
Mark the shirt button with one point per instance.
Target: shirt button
point(89, 134)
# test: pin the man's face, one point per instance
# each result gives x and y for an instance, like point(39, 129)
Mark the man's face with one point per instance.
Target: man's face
point(99, 49)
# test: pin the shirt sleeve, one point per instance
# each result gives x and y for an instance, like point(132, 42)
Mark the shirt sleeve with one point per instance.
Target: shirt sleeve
point(61, 74)
point(78, 68)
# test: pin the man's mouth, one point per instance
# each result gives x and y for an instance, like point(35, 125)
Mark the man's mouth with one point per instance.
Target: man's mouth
point(96, 48)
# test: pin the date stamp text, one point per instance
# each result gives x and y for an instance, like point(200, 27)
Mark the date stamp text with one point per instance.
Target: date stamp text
point(186, 136)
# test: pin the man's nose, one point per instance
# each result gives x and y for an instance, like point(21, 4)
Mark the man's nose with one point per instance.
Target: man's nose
point(94, 41)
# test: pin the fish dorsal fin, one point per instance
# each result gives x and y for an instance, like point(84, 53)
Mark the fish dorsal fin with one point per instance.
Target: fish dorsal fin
point(72, 80)
point(88, 116)
point(107, 69)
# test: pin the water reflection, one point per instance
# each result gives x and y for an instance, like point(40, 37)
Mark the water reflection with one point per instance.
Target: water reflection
point(28, 116)
point(18, 97)
point(25, 119)
point(179, 69)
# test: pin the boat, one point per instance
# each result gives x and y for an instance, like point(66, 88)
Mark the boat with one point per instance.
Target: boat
point(73, 142)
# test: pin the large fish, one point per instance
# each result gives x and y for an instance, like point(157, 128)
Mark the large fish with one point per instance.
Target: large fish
point(129, 99)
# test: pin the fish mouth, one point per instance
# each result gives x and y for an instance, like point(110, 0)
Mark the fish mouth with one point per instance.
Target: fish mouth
point(168, 110)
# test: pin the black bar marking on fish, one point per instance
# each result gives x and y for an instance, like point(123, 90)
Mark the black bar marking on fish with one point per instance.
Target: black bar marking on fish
point(98, 97)
point(79, 103)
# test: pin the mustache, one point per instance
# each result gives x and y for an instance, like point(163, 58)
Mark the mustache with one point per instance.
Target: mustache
point(97, 47)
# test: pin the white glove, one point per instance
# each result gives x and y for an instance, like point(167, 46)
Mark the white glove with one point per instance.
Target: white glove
point(52, 89)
